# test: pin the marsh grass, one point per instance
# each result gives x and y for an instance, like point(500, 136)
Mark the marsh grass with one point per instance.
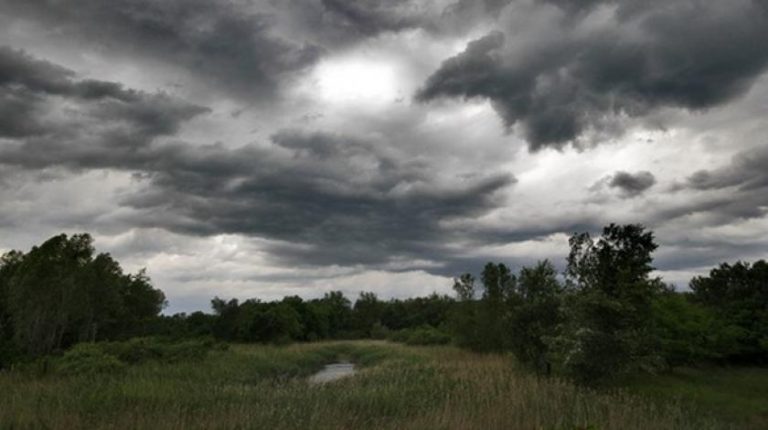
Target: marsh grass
point(265, 387)
point(734, 394)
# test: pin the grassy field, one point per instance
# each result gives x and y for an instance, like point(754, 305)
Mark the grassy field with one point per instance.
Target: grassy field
point(399, 387)
point(734, 395)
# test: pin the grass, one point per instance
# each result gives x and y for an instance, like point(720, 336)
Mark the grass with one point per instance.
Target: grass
point(265, 387)
point(735, 395)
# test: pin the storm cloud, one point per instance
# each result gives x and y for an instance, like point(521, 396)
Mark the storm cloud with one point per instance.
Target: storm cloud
point(737, 190)
point(632, 184)
point(337, 199)
point(226, 42)
point(334, 195)
point(615, 60)
point(56, 119)
point(260, 148)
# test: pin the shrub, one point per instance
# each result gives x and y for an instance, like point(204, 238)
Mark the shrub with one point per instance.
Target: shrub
point(424, 335)
point(379, 331)
point(139, 350)
point(88, 358)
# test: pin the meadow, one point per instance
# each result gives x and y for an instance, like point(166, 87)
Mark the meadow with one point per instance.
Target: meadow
point(397, 387)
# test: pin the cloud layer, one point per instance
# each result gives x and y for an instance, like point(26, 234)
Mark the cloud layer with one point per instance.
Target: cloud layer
point(261, 148)
point(613, 60)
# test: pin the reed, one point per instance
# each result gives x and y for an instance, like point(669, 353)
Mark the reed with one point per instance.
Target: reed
point(265, 387)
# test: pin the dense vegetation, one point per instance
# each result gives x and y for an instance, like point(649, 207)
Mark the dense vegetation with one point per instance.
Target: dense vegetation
point(399, 387)
point(59, 294)
point(605, 316)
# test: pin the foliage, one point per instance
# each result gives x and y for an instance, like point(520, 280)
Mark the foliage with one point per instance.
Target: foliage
point(264, 386)
point(498, 286)
point(139, 350)
point(608, 317)
point(536, 315)
point(738, 294)
point(424, 335)
point(688, 333)
point(464, 320)
point(110, 357)
point(88, 358)
point(59, 294)
point(608, 304)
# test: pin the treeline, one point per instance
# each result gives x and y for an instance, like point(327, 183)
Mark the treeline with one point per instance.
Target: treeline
point(603, 316)
point(607, 315)
point(333, 316)
point(60, 293)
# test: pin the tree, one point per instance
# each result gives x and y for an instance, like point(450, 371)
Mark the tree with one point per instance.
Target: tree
point(609, 303)
point(688, 332)
point(227, 325)
point(368, 311)
point(738, 294)
point(59, 294)
point(339, 311)
point(536, 314)
point(464, 318)
point(9, 264)
point(141, 302)
point(498, 286)
point(274, 322)
point(47, 293)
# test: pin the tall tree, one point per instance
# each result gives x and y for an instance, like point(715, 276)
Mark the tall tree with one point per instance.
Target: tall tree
point(464, 317)
point(59, 294)
point(368, 310)
point(536, 314)
point(738, 293)
point(498, 286)
point(611, 292)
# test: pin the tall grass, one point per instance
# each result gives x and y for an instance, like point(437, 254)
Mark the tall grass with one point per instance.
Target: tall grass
point(265, 387)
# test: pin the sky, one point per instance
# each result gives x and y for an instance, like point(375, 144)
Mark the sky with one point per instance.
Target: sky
point(257, 149)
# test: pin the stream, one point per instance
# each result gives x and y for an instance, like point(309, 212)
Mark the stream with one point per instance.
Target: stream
point(333, 372)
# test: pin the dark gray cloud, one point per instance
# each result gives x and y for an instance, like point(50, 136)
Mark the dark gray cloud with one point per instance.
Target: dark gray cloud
point(737, 190)
point(365, 18)
point(746, 172)
point(52, 118)
point(224, 43)
point(332, 198)
point(631, 184)
point(580, 6)
point(651, 56)
point(353, 185)
point(339, 23)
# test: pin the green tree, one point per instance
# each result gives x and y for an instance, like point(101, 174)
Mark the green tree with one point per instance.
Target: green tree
point(609, 303)
point(9, 264)
point(688, 332)
point(368, 310)
point(227, 315)
point(738, 294)
point(339, 311)
point(536, 314)
point(47, 293)
point(59, 294)
point(464, 317)
point(498, 287)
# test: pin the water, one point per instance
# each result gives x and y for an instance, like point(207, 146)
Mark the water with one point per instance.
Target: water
point(332, 372)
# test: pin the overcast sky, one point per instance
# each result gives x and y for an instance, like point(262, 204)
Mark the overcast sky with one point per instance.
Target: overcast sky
point(276, 147)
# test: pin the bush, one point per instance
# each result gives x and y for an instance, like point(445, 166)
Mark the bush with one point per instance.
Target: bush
point(424, 335)
point(379, 331)
point(139, 350)
point(88, 358)
point(104, 357)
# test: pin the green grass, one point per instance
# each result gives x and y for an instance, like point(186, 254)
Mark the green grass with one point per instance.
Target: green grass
point(736, 395)
point(265, 387)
